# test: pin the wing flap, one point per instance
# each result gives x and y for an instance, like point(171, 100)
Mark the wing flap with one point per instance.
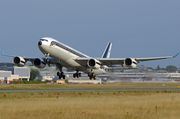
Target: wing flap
point(111, 61)
point(104, 61)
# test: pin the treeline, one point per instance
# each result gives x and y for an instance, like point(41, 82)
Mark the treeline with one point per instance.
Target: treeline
point(169, 68)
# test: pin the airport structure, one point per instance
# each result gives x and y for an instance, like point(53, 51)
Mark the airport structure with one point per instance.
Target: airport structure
point(14, 74)
point(8, 74)
point(121, 75)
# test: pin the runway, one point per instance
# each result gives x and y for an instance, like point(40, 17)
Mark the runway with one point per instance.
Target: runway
point(88, 90)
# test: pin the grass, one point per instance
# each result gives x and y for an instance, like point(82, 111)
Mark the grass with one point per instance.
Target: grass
point(91, 105)
point(90, 86)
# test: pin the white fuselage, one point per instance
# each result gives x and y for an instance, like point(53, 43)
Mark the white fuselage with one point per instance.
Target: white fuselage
point(65, 55)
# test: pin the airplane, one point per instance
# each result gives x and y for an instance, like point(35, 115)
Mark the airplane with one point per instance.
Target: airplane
point(63, 55)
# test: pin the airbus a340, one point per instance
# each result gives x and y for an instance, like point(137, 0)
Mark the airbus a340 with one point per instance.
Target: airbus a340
point(62, 55)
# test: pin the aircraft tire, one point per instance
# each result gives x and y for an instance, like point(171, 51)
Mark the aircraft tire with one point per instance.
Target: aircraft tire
point(58, 73)
point(63, 76)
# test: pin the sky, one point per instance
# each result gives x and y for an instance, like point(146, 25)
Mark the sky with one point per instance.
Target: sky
point(136, 28)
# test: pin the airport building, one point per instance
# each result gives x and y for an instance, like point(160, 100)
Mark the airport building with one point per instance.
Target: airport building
point(8, 74)
point(14, 74)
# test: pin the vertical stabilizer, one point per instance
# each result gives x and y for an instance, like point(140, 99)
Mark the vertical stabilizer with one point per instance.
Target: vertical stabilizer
point(107, 51)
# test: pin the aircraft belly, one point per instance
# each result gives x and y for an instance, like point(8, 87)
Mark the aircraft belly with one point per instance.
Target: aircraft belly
point(98, 71)
point(59, 54)
point(64, 57)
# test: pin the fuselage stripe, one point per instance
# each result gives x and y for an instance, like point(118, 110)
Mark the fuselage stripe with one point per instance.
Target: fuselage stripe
point(68, 49)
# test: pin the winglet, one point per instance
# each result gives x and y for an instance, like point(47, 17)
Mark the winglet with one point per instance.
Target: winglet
point(176, 54)
point(2, 52)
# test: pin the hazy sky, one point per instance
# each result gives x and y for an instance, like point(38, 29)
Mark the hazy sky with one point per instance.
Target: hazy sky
point(137, 28)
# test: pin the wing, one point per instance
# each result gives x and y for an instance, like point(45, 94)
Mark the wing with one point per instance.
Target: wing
point(38, 62)
point(152, 58)
point(119, 61)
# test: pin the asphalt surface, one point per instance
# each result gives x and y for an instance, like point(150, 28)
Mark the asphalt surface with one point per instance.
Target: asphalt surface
point(89, 90)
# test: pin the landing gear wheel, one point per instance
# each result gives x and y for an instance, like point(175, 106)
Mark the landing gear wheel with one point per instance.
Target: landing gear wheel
point(92, 76)
point(61, 75)
point(64, 76)
point(58, 73)
point(77, 75)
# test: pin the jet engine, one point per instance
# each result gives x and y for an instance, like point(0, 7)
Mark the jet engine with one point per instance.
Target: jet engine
point(131, 63)
point(39, 63)
point(94, 64)
point(19, 61)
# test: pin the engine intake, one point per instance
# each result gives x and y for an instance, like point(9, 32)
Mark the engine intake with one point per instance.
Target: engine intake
point(94, 64)
point(131, 63)
point(19, 61)
point(39, 63)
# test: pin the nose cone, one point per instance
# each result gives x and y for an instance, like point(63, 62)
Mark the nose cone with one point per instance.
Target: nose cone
point(40, 43)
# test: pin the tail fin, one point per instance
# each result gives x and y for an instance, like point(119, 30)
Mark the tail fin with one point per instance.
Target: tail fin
point(107, 51)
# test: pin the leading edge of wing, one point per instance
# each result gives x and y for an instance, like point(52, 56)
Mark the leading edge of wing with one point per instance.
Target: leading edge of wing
point(155, 58)
point(7, 55)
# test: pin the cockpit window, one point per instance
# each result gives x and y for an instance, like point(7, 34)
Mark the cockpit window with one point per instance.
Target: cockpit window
point(43, 40)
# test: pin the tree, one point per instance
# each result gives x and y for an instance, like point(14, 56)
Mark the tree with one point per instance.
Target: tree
point(149, 68)
point(171, 68)
point(158, 67)
point(33, 74)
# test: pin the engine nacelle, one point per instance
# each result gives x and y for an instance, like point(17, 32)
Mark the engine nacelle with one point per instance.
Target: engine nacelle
point(19, 61)
point(39, 63)
point(131, 63)
point(94, 64)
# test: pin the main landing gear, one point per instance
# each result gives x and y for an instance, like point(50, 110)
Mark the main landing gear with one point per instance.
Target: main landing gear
point(61, 75)
point(92, 76)
point(77, 75)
